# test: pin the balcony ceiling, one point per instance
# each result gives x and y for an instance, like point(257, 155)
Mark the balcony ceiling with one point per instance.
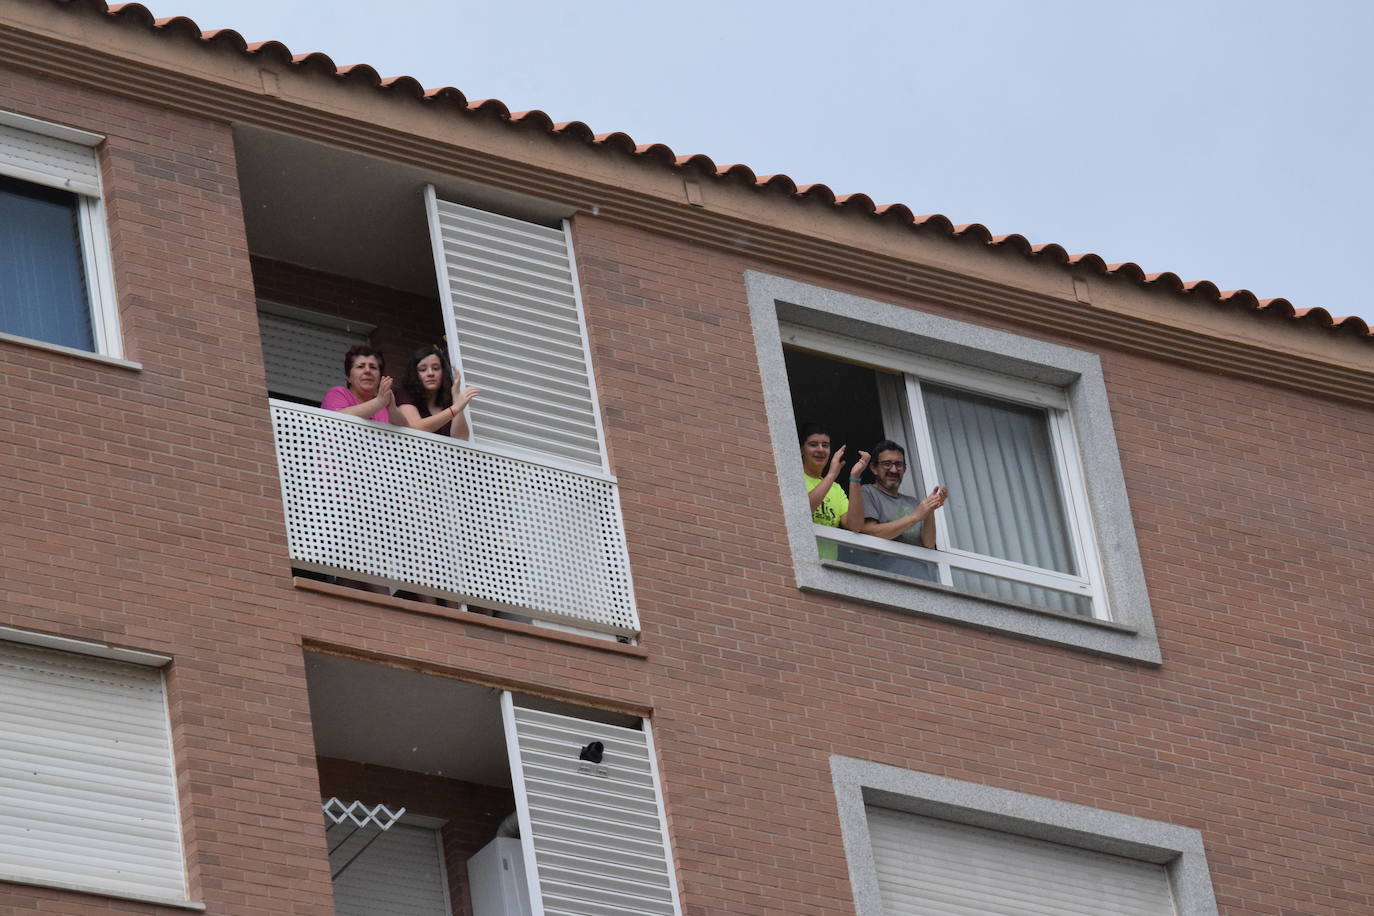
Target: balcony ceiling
point(353, 215)
point(409, 721)
point(419, 722)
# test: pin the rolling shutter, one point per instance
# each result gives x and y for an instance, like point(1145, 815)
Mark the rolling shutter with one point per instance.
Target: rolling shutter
point(304, 353)
point(516, 330)
point(49, 161)
point(86, 775)
point(399, 873)
point(594, 834)
point(932, 867)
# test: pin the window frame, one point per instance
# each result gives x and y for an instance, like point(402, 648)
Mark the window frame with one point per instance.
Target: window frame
point(1003, 365)
point(860, 783)
point(92, 231)
point(915, 370)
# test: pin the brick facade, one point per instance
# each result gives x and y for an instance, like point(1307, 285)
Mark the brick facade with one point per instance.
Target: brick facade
point(144, 510)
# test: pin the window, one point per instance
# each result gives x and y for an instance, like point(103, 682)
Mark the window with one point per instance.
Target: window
point(1036, 538)
point(55, 283)
point(1004, 448)
point(398, 871)
point(86, 776)
point(302, 350)
point(918, 843)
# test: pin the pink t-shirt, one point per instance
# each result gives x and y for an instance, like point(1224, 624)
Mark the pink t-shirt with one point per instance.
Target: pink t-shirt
point(340, 397)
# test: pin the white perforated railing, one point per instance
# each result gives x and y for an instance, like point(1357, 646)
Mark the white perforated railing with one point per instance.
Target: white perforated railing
point(432, 515)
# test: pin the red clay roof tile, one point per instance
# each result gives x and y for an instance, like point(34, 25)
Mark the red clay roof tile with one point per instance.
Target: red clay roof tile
point(663, 155)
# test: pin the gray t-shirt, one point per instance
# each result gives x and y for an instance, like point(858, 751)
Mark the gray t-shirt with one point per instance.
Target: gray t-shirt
point(878, 505)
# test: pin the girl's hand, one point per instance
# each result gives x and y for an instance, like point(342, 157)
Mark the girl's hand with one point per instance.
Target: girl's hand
point(461, 397)
point(858, 469)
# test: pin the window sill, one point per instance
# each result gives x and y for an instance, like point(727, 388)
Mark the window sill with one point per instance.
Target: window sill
point(941, 602)
point(468, 618)
point(979, 596)
point(71, 351)
point(94, 891)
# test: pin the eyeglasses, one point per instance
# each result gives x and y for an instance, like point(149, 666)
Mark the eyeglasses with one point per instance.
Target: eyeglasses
point(892, 465)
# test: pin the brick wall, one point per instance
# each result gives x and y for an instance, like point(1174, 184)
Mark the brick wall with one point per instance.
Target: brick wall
point(144, 511)
point(1256, 729)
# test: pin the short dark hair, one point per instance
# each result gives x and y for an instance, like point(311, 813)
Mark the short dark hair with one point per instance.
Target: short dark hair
point(807, 430)
point(363, 350)
point(887, 445)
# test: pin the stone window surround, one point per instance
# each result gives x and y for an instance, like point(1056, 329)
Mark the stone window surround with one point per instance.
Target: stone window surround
point(859, 783)
point(1130, 633)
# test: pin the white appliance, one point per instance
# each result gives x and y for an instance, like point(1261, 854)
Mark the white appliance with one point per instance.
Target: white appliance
point(496, 879)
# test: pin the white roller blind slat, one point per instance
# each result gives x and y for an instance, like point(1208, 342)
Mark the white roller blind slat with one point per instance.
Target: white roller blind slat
point(49, 161)
point(400, 874)
point(304, 359)
point(511, 292)
point(596, 830)
point(932, 867)
point(85, 773)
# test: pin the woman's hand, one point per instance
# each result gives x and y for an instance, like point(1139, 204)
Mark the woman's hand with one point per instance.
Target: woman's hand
point(385, 395)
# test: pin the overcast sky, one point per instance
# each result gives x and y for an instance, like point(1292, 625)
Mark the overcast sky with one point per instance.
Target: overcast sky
point(1223, 141)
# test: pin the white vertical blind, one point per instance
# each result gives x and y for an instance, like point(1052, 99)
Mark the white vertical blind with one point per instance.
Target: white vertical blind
point(48, 161)
point(515, 311)
point(86, 785)
point(400, 873)
point(596, 830)
point(930, 867)
point(1005, 501)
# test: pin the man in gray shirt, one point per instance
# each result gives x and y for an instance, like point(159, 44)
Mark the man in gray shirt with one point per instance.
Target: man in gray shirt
point(890, 514)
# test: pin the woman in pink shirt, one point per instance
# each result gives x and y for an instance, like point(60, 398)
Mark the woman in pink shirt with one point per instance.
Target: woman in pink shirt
point(368, 393)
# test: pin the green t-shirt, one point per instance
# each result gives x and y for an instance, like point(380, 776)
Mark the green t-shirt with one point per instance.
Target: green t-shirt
point(832, 508)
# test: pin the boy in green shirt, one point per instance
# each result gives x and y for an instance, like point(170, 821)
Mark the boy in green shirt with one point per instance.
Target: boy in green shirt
point(829, 504)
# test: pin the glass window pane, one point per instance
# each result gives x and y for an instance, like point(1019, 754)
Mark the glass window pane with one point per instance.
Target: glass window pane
point(42, 275)
point(1004, 495)
point(1020, 592)
point(910, 567)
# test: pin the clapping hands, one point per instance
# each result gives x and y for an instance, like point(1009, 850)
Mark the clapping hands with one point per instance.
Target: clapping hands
point(935, 500)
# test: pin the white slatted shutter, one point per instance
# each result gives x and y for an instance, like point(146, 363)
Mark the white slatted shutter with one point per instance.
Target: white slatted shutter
point(930, 867)
point(516, 330)
point(86, 786)
point(401, 873)
point(304, 354)
point(594, 833)
point(49, 161)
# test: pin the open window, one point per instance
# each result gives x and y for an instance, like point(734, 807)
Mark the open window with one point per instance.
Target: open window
point(1013, 528)
point(56, 284)
point(1036, 538)
point(484, 801)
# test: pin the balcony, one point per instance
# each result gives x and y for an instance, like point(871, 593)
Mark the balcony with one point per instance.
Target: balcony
point(481, 524)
